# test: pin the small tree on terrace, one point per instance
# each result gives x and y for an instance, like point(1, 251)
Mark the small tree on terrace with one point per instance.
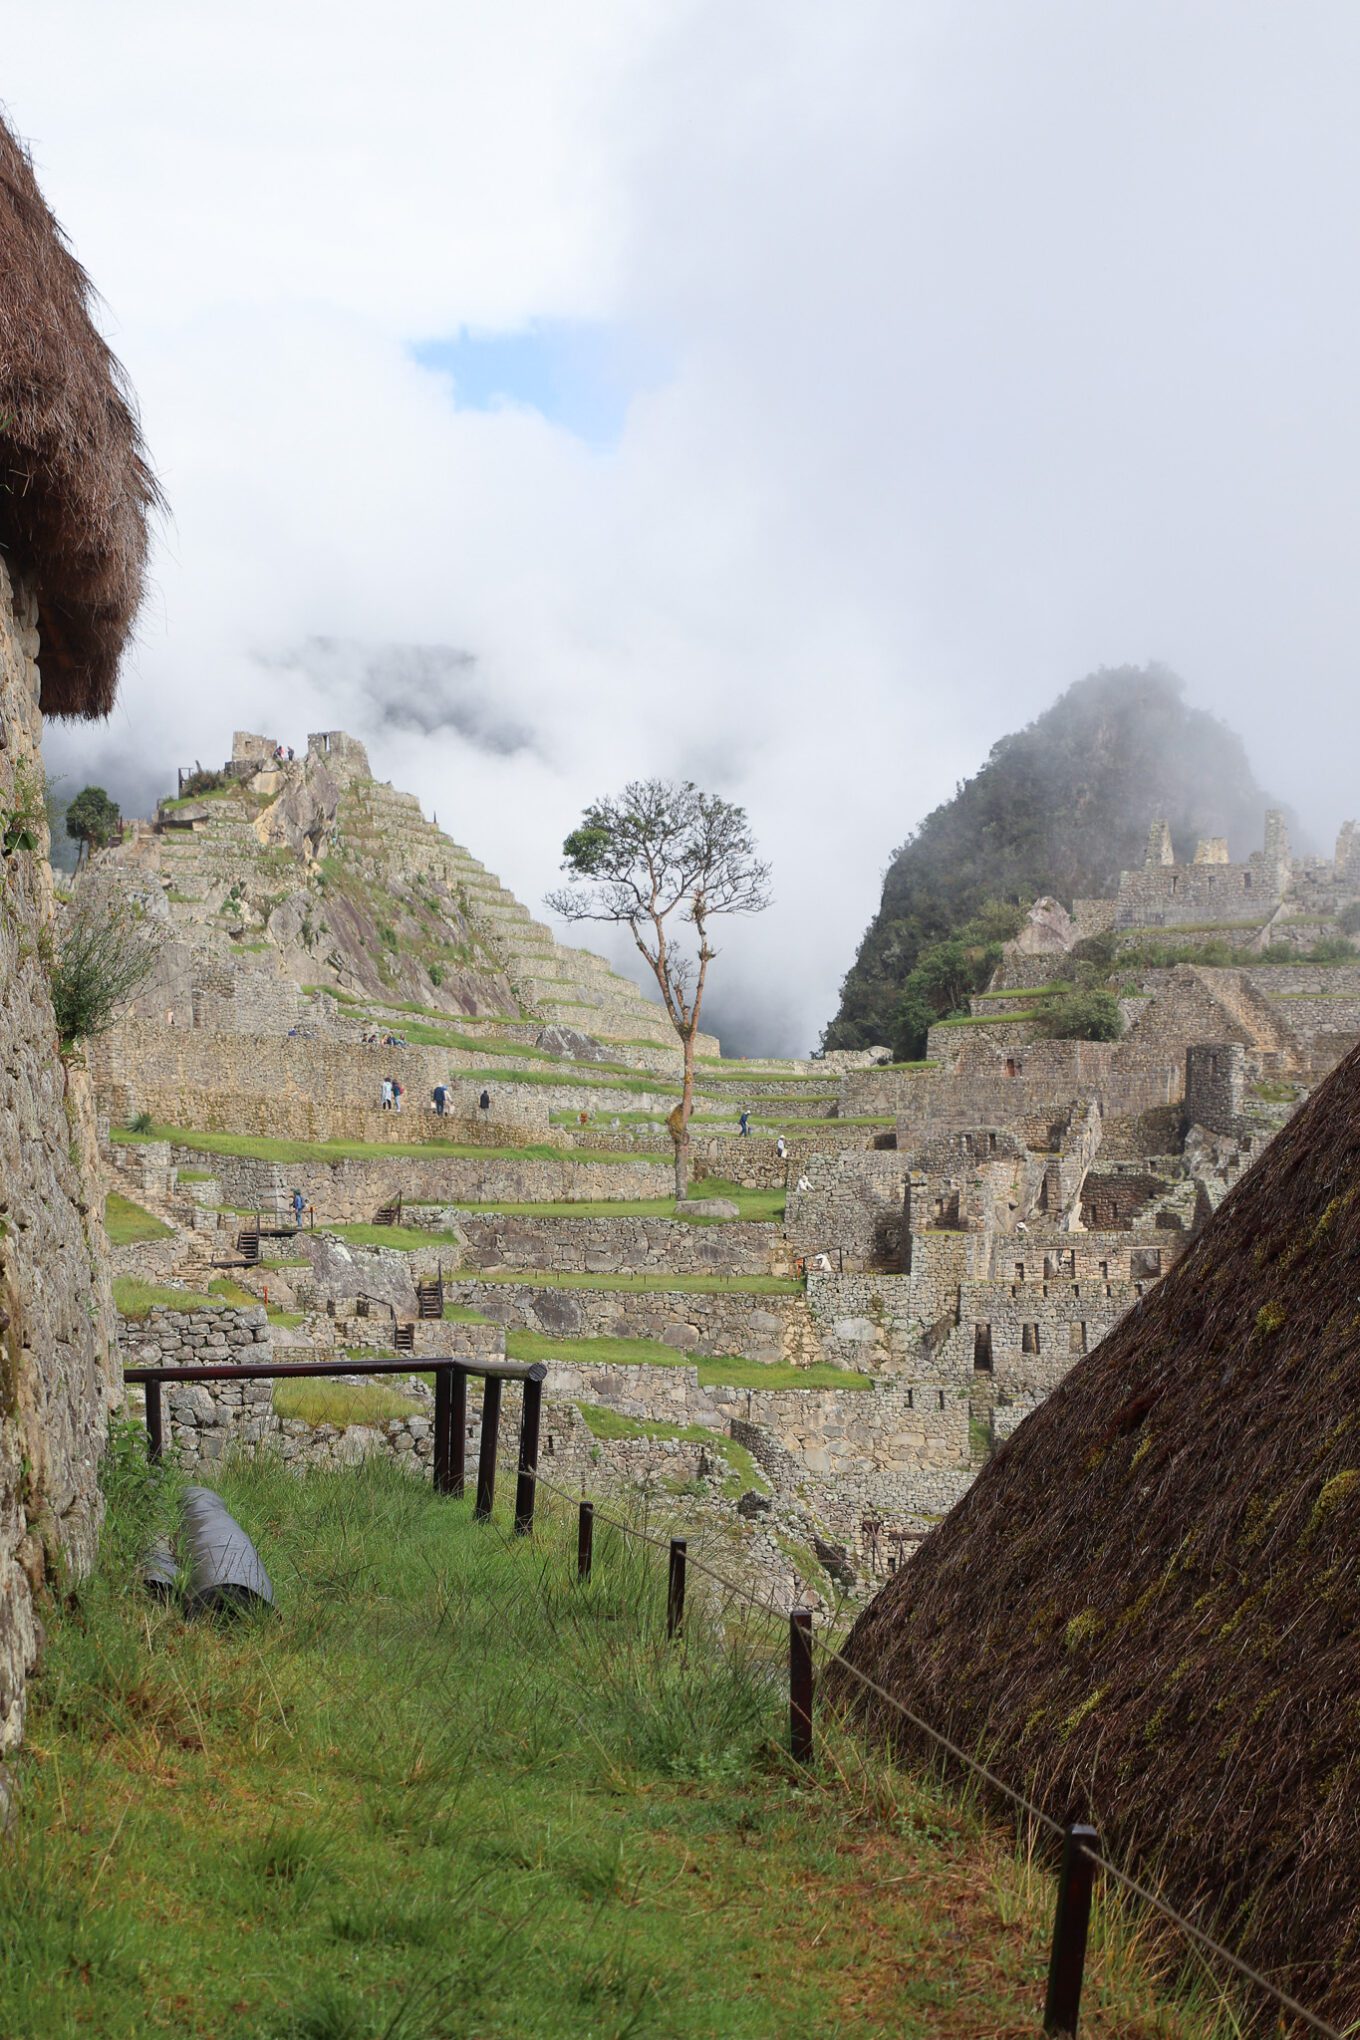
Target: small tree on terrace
point(92, 820)
point(664, 861)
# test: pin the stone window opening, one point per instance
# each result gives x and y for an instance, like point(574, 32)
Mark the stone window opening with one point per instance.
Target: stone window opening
point(911, 1398)
point(1246, 881)
point(1029, 1338)
point(1019, 1271)
point(1010, 1066)
point(1104, 1271)
point(1077, 1336)
point(991, 1143)
point(941, 1398)
point(982, 1349)
point(1145, 1264)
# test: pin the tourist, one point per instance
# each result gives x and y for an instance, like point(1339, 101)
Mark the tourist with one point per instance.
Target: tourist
point(781, 1147)
point(440, 1099)
point(297, 1209)
point(803, 1184)
point(484, 1102)
point(387, 1094)
point(744, 1123)
point(396, 1095)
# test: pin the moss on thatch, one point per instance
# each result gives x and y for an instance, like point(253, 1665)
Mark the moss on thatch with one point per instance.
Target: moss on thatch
point(75, 487)
point(1147, 1609)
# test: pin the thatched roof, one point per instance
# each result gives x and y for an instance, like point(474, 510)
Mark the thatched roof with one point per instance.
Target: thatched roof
point(1147, 1609)
point(76, 484)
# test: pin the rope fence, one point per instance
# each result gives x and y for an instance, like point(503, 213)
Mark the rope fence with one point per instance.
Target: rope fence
point(1081, 1855)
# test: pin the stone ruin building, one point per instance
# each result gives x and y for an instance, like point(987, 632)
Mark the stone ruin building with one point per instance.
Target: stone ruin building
point(954, 1235)
point(72, 551)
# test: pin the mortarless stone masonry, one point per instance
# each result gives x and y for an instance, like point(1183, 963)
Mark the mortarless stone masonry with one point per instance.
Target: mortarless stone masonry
point(58, 1375)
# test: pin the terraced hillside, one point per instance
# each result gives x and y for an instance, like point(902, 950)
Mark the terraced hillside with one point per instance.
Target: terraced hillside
point(290, 876)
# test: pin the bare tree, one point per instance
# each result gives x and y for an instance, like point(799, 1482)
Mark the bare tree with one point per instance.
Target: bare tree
point(663, 861)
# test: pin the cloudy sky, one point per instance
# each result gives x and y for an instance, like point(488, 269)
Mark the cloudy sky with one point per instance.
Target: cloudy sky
point(786, 396)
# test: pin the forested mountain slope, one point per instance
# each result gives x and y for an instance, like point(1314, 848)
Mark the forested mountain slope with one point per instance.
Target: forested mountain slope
point(1060, 807)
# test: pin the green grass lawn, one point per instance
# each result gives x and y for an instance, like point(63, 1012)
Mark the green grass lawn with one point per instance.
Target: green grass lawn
point(445, 1791)
point(407, 1237)
point(728, 1371)
point(743, 1472)
point(315, 1400)
point(760, 1206)
point(692, 1285)
point(127, 1224)
point(261, 1147)
point(136, 1299)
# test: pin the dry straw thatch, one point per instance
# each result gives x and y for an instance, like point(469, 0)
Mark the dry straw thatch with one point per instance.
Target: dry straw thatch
point(1147, 1609)
point(75, 487)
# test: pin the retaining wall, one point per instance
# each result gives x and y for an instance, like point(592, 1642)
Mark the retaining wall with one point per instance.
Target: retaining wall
point(620, 1245)
point(758, 1327)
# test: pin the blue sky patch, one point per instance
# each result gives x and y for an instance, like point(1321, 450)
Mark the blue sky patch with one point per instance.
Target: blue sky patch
point(577, 375)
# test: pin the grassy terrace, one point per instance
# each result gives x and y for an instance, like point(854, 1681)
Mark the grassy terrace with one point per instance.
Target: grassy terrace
point(128, 1225)
point(261, 1147)
point(137, 1299)
point(444, 1790)
point(318, 1401)
point(728, 1370)
point(987, 1019)
point(743, 1471)
point(407, 1238)
point(762, 1206)
point(692, 1285)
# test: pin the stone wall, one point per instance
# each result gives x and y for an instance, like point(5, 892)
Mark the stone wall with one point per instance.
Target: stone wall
point(1207, 895)
point(352, 1191)
point(853, 1208)
point(896, 1448)
point(58, 1375)
point(298, 1089)
point(619, 1245)
point(202, 1419)
point(1215, 1085)
point(756, 1326)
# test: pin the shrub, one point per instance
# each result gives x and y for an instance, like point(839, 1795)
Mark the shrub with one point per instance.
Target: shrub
point(104, 955)
point(1081, 1015)
point(436, 973)
point(1348, 920)
point(201, 781)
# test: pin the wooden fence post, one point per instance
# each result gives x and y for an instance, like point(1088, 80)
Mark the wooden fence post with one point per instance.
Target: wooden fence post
point(486, 1461)
point(585, 1540)
point(458, 1431)
point(675, 1588)
point(528, 1456)
point(800, 1685)
point(155, 1435)
point(443, 1431)
point(1071, 1921)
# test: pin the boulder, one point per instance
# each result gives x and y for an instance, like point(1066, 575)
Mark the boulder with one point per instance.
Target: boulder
point(341, 1273)
point(570, 1043)
point(1049, 930)
point(707, 1207)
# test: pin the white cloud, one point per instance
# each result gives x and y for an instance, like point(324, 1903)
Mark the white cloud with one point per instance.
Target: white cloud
point(1005, 342)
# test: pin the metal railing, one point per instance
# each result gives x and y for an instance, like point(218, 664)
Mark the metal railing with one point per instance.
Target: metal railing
point(450, 1413)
